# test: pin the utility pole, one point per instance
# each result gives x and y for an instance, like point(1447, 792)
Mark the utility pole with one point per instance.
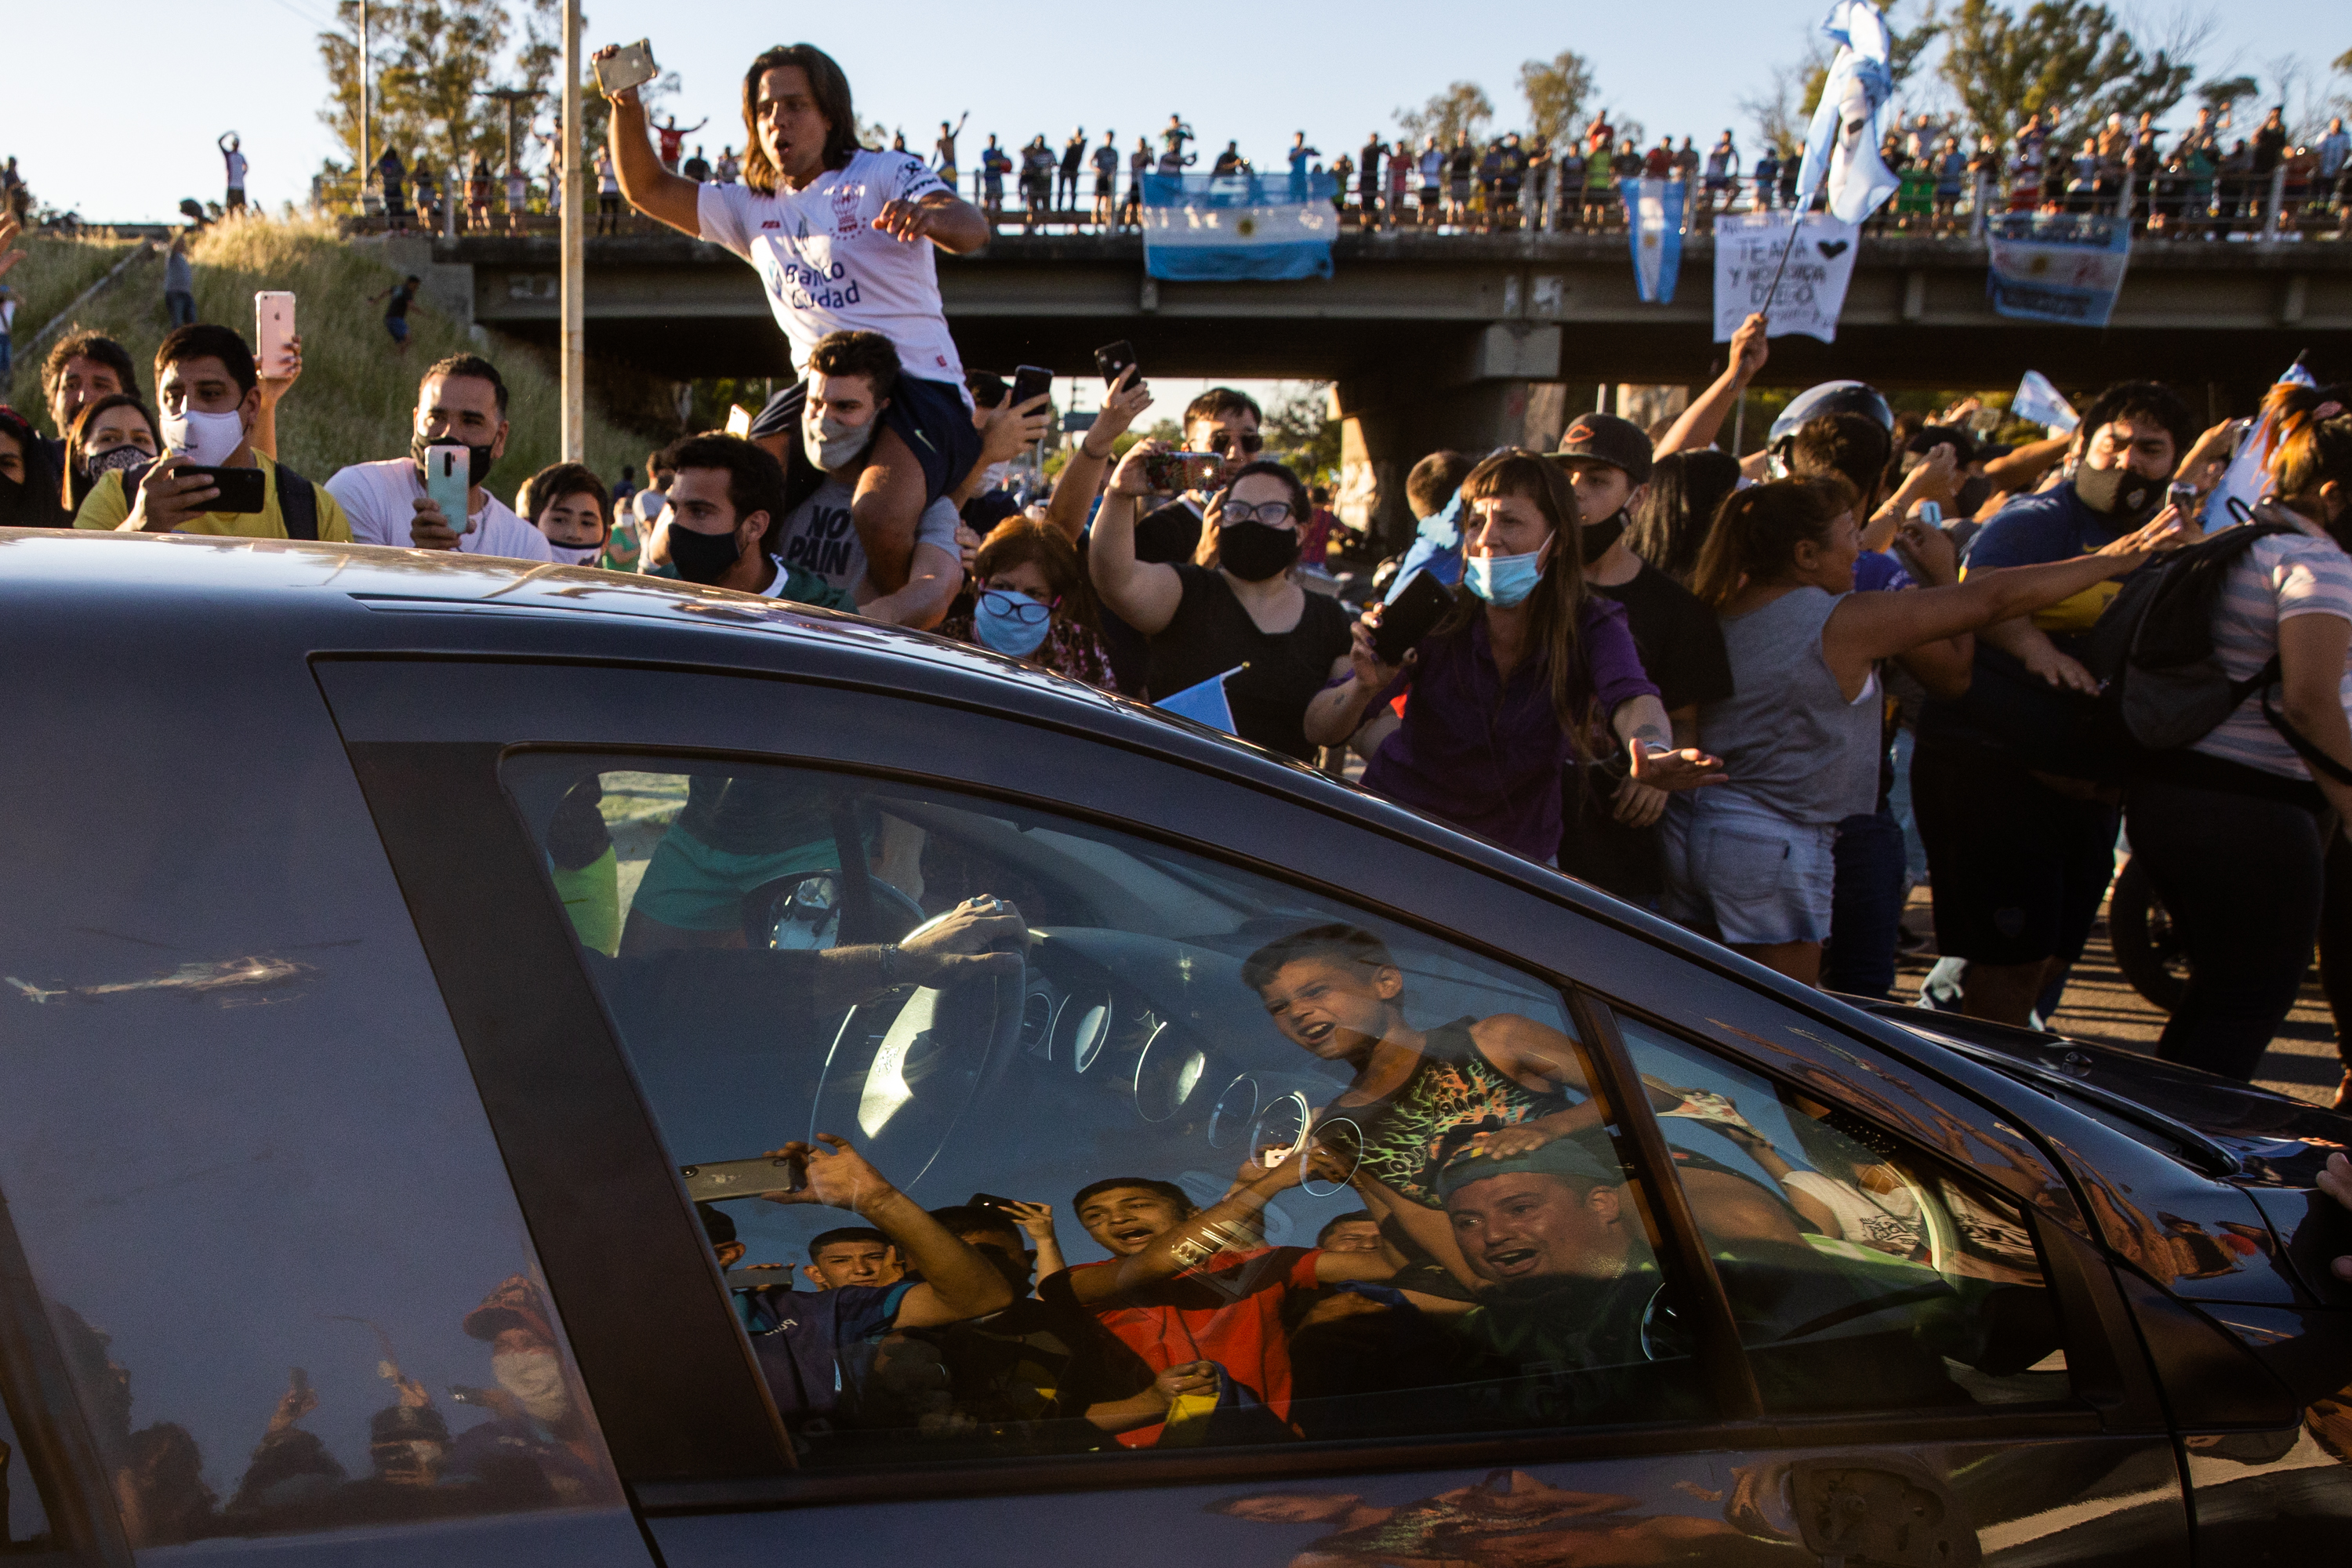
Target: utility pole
point(574, 268)
point(367, 153)
point(512, 97)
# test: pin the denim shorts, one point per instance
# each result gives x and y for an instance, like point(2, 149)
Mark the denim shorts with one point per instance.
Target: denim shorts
point(1739, 865)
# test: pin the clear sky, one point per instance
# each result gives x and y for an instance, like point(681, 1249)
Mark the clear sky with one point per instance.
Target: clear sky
point(114, 113)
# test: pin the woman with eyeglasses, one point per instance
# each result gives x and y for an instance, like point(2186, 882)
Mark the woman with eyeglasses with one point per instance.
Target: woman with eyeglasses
point(1528, 670)
point(114, 432)
point(1243, 621)
point(1034, 604)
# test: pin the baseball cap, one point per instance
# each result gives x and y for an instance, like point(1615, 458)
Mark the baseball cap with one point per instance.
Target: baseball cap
point(1605, 438)
point(1563, 1157)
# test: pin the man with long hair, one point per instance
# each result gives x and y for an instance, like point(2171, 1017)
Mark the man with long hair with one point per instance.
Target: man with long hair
point(842, 237)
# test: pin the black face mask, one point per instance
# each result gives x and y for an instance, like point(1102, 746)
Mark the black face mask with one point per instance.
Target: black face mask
point(702, 557)
point(477, 461)
point(1598, 536)
point(2124, 498)
point(1253, 552)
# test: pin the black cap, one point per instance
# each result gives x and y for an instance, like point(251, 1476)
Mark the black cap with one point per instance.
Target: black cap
point(1605, 438)
point(782, 412)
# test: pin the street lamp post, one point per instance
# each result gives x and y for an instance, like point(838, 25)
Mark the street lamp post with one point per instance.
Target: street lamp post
point(573, 232)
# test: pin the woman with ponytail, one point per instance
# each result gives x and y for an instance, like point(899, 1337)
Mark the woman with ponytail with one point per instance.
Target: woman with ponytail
point(2240, 830)
point(1799, 736)
point(1528, 670)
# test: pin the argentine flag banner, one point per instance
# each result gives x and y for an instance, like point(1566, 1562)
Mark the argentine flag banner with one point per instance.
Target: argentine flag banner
point(1232, 227)
point(2056, 267)
point(1654, 224)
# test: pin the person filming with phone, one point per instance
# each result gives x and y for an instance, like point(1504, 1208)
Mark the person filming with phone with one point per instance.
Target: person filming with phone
point(212, 479)
point(460, 401)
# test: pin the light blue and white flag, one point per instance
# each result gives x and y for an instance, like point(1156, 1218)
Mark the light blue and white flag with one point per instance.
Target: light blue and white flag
point(1222, 228)
point(2249, 473)
point(2056, 267)
point(1653, 225)
point(1204, 703)
point(2045, 405)
point(1841, 144)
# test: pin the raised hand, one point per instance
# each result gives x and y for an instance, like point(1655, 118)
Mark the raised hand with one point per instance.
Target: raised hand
point(838, 1175)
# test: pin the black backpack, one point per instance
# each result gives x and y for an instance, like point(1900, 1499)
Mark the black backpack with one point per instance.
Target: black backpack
point(2164, 687)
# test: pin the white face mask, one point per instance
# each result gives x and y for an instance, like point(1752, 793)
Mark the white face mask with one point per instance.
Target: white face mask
point(575, 554)
point(831, 443)
point(536, 1380)
point(206, 439)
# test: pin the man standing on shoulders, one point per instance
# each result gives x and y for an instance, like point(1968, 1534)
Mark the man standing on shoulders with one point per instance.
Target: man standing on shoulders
point(210, 399)
point(461, 401)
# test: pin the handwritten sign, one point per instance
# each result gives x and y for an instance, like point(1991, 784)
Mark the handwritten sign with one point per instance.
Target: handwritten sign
point(1811, 292)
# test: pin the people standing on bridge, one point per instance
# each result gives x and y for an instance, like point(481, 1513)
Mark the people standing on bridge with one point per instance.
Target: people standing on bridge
point(1173, 139)
point(608, 194)
point(673, 139)
point(1400, 172)
point(842, 237)
point(392, 182)
point(232, 152)
point(1368, 180)
point(1138, 163)
point(517, 197)
point(994, 164)
point(730, 168)
point(943, 150)
point(461, 401)
point(1074, 157)
point(477, 195)
point(696, 168)
point(1297, 157)
point(1037, 166)
point(1106, 163)
point(1461, 172)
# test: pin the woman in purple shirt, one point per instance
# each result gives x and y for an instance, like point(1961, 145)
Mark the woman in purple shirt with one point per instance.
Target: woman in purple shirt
point(1527, 670)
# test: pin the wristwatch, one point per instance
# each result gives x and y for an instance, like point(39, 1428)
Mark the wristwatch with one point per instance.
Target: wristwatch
point(893, 959)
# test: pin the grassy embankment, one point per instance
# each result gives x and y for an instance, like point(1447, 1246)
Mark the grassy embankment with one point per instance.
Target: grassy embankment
point(353, 402)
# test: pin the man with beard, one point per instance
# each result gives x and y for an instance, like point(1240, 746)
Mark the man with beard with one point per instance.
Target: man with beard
point(460, 401)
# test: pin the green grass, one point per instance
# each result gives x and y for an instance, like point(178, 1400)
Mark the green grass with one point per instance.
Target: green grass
point(356, 398)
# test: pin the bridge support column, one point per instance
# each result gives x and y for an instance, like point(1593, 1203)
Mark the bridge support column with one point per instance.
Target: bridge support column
point(1502, 393)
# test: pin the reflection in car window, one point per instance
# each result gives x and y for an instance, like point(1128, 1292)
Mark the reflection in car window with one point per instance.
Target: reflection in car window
point(1865, 1275)
point(27, 1532)
point(1014, 1134)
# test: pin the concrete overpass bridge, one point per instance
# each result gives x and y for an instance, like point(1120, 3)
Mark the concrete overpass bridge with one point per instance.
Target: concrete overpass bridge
point(1470, 341)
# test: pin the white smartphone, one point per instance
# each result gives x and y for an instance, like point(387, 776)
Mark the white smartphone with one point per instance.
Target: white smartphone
point(448, 475)
point(632, 65)
point(273, 330)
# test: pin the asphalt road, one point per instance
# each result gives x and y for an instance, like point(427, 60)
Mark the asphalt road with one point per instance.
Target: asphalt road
point(2099, 1006)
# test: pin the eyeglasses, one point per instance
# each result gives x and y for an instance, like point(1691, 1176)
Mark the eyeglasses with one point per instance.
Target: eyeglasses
point(1018, 606)
point(1272, 513)
point(1221, 441)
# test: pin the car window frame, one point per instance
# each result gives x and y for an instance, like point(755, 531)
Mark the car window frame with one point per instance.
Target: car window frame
point(55, 1443)
point(612, 729)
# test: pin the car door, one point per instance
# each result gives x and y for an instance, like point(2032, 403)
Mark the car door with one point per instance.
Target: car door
point(656, 848)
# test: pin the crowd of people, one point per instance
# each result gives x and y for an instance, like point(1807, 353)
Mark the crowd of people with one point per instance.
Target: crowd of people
point(1682, 676)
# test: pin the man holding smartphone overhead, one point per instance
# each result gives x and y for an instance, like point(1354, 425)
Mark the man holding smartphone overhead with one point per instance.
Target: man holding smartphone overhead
point(209, 394)
point(461, 401)
point(842, 237)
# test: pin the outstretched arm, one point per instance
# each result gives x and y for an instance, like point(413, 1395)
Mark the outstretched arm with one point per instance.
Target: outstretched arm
point(1081, 477)
point(1701, 422)
point(1145, 594)
point(958, 1282)
point(650, 187)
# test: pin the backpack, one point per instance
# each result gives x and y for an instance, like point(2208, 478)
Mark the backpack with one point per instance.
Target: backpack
point(298, 499)
point(2153, 649)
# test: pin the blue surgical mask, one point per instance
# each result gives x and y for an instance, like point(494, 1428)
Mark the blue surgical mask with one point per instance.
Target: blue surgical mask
point(1013, 623)
point(1504, 581)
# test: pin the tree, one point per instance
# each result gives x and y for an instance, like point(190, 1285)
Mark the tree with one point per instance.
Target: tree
point(2065, 58)
point(1556, 91)
point(2224, 93)
point(429, 60)
point(1301, 428)
point(1462, 106)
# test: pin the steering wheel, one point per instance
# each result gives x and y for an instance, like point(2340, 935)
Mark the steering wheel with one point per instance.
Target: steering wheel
point(903, 1070)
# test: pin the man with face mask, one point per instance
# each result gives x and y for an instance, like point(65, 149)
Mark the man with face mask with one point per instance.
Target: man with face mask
point(1609, 835)
point(461, 401)
point(2015, 803)
point(210, 398)
point(725, 494)
point(824, 431)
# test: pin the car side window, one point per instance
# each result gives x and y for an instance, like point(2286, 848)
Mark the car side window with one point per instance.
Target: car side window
point(24, 1532)
point(1016, 1134)
point(1865, 1274)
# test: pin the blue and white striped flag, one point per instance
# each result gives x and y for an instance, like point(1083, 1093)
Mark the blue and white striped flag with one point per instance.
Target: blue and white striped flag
point(1219, 228)
point(1653, 225)
point(2249, 473)
point(1841, 144)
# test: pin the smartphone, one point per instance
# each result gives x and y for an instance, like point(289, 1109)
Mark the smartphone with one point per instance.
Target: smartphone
point(1410, 617)
point(273, 330)
point(241, 489)
point(990, 1201)
point(632, 65)
point(1931, 513)
point(1113, 360)
point(2183, 498)
point(738, 420)
point(1028, 381)
point(744, 1178)
point(448, 475)
point(1182, 470)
